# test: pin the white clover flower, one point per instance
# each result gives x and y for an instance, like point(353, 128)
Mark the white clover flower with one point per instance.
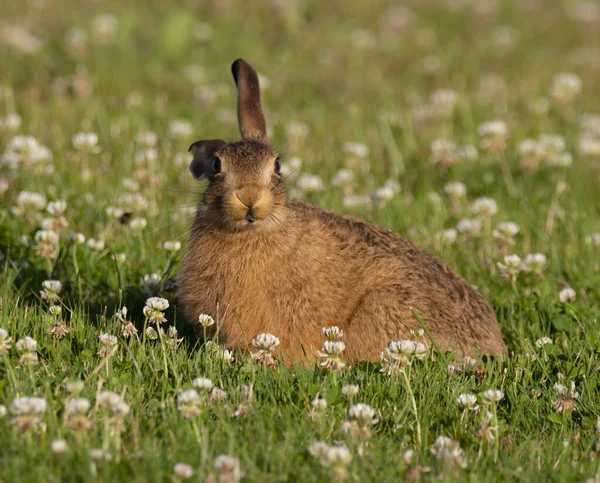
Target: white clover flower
point(319, 403)
point(108, 342)
point(593, 239)
point(567, 295)
point(22, 146)
point(559, 388)
point(337, 456)
point(97, 245)
point(455, 189)
point(363, 414)
point(296, 133)
point(97, 454)
point(146, 156)
point(467, 400)
point(56, 208)
point(469, 226)
point(183, 471)
point(27, 412)
point(202, 383)
point(310, 183)
point(228, 468)
point(205, 320)
point(447, 237)
point(150, 333)
point(506, 230)
point(402, 348)
point(51, 290)
point(485, 207)
point(565, 86)
point(114, 212)
point(77, 238)
point(55, 310)
point(59, 446)
point(449, 450)
point(492, 396)
point(157, 303)
point(151, 282)
point(75, 387)
point(28, 203)
point(511, 267)
point(188, 403)
point(138, 224)
point(343, 178)
point(567, 397)
point(562, 160)
point(590, 123)
point(493, 135)
point(10, 123)
point(46, 243)
point(146, 139)
point(350, 390)
point(443, 152)
point(180, 130)
point(86, 141)
point(535, 262)
point(551, 145)
point(444, 100)
point(104, 28)
point(290, 168)
point(357, 150)
point(109, 400)
point(383, 194)
point(77, 406)
point(264, 345)
point(399, 354)
point(330, 355)
point(466, 364)
point(265, 342)
point(529, 148)
point(155, 306)
point(27, 344)
point(588, 146)
point(225, 355)
point(319, 449)
point(172, 246)
point(467, 153)
point(332, 333)
point(5, 342)
point(354, 201)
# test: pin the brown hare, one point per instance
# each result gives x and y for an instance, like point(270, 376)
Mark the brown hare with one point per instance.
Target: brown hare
point(258, 262)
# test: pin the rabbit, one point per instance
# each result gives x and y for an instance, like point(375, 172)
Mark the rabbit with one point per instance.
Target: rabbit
point(258, 262)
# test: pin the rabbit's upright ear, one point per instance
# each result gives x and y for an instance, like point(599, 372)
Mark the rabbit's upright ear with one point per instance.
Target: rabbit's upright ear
point(250, 114)
point(204, 155)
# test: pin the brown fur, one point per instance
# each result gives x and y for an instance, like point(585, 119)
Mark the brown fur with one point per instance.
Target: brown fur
point(293, 268)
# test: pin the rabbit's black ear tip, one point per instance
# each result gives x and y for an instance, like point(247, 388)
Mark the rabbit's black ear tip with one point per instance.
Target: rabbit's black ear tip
point(235, 68)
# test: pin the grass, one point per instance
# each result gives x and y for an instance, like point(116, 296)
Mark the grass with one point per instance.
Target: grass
point(350, 72)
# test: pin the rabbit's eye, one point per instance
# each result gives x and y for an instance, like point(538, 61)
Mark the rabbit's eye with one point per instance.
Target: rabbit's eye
point(216, 165)
point(277, 166)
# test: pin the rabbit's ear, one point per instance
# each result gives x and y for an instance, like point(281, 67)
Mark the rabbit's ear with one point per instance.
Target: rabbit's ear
point(250, 115)
point(204, 154)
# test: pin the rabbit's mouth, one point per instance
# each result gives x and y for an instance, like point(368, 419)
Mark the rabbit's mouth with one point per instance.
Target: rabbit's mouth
point(243, 213)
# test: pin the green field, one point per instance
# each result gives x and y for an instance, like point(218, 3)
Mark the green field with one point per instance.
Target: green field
point(470, 126)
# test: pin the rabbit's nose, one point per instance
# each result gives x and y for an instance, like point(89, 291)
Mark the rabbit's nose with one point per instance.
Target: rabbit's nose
point(249, 196)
